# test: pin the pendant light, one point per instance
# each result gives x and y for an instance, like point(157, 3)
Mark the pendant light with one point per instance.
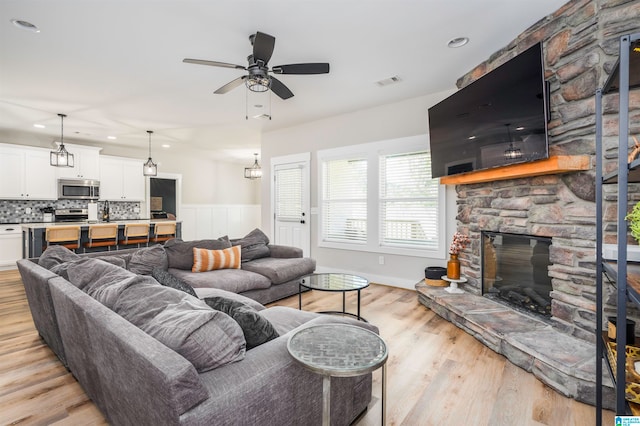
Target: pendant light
point(255, 171)
point(511, 153)
point(150, 168)
point(61, 157)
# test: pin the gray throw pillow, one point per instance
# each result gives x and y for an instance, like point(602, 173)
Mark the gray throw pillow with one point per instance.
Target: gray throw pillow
point(145, 259)
point(180, 253)
point(254, 245)
point(257, 329)
point(166, 279)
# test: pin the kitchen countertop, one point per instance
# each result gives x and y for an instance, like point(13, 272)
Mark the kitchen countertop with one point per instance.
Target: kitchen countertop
point(36, 225)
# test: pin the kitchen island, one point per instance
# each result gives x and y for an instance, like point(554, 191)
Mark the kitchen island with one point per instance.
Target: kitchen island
point(33, 234)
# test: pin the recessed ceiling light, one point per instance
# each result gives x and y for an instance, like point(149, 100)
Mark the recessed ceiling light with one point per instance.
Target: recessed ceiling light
point(458, 42)
point(39, 126)
point(25, 25)
point(520, 128)
point(113, 138)
point(471, 138)
point(166, 145)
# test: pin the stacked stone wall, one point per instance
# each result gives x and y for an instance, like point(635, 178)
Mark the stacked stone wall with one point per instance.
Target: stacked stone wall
point(580, 43)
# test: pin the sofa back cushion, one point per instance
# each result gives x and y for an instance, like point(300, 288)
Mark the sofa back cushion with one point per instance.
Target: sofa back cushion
point(180, 253)
point(144, 260)
point(207, 338)
point(254, 245)
point(55, 255)
point(210, 260)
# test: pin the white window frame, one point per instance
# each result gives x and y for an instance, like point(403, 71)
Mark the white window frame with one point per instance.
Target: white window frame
point(372, 152)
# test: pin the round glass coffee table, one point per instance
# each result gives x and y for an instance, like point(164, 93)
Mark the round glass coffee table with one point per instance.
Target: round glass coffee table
point(339, 350)
point(334, 282)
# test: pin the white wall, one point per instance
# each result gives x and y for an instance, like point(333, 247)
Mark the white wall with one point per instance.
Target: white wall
point(391, 121)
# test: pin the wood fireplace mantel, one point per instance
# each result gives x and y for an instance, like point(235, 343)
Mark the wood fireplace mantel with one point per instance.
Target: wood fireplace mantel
point(552, 165)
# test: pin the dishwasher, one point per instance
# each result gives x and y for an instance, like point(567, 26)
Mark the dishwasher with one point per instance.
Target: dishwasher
point(10, 245)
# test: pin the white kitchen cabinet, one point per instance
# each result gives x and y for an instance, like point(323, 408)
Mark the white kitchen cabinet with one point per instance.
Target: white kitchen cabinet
point(121, 179)
point(10, 246)
point(25, 173)
point(86, 163)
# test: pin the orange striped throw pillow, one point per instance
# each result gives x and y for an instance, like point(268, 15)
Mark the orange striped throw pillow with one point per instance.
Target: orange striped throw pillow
point(209, 260)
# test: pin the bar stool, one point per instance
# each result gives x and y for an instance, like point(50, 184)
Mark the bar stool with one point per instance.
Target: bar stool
point(67, 236)
point(136, 233)
point(164, 231)
point(103, 235)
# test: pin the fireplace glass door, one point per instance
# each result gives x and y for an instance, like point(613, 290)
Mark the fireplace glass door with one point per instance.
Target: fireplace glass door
point(515, 269)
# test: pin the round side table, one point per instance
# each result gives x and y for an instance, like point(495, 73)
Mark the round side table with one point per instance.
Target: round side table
point(339, 350)
point(453, 287)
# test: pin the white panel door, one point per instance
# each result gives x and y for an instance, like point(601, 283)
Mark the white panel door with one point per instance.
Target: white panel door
point(290, 201)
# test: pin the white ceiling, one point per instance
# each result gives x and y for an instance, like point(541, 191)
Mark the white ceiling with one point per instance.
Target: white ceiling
point(115, 67)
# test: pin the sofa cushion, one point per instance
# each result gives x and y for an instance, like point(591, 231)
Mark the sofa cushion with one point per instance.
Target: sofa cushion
point(233, 280)
point(254, 245)
point(55, 255)
point(101, 280)
point(209, 260)
point(166, 279)
point(180, 253)
point(207, 338)
point(281, 270)
point(143, 261)
point(257, 329)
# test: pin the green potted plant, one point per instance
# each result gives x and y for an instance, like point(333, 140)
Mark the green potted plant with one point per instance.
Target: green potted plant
point(634, 221)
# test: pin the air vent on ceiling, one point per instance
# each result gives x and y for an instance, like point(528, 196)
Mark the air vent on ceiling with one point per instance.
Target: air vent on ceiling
point(387, 81)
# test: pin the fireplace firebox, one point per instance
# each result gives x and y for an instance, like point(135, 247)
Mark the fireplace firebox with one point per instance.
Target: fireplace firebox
point(515, 270)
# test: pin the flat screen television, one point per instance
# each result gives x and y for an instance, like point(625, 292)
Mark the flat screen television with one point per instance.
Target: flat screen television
point(497, 120)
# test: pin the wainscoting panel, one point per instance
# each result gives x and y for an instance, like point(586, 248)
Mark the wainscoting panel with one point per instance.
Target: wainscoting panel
point(200, 221)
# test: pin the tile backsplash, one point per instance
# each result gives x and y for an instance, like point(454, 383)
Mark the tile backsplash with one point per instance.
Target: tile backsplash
point(16, 210)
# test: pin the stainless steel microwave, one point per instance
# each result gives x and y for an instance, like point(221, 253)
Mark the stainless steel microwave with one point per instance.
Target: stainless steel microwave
point(78, 189)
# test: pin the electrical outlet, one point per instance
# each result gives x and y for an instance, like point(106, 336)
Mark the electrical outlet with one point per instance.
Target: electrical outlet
point(381, 260)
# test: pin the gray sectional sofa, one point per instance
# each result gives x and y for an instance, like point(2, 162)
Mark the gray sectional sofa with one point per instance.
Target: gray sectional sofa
point(150, 354)
point(268, 272)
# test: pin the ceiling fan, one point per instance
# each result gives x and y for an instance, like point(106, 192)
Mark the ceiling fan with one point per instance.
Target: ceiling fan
point(258, 78)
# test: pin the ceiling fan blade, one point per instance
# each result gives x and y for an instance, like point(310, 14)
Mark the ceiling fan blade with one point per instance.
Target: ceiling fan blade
point(280, 89)
point(263, 46)
point(310, 68)
point(213, 63)
point(230, 85)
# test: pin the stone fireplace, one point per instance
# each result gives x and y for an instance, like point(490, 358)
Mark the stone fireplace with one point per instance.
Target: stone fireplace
point(580, 43)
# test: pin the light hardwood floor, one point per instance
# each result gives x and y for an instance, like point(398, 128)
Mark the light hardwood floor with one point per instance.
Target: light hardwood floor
point(437, 374)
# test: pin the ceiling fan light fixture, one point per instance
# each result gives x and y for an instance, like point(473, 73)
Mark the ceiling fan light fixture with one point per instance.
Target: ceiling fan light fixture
point(257, 83)
point(150, 168)
point(61, 157)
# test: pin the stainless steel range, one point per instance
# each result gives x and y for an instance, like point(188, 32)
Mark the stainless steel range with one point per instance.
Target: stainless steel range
point(72, 215)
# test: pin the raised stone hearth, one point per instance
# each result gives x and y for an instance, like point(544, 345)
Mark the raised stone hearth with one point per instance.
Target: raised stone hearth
point(563, 362)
